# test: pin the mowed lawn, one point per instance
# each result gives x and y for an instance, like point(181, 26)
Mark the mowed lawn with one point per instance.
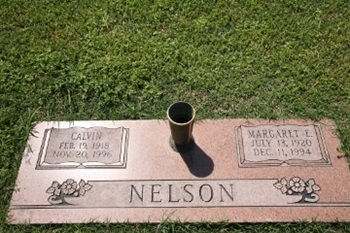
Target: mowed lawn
point(113, 60)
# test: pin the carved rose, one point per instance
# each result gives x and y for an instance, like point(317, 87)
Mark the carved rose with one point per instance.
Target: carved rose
point(297, 184)
point(69, 186)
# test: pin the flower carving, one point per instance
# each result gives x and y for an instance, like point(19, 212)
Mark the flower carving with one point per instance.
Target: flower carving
point(68, 188)
point(297, 186)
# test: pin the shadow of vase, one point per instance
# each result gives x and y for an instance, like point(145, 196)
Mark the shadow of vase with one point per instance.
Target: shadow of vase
point(197, 161)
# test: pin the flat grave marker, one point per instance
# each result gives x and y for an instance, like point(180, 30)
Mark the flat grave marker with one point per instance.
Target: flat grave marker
point(236, 170)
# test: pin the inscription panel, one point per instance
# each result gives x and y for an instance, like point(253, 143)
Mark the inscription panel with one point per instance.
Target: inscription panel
point(84, 148)
point(274, 145)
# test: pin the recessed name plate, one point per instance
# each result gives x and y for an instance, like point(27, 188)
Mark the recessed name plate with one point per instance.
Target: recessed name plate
point(79, 147)
point(179, 193)
point(127, 171)
point(274, 145)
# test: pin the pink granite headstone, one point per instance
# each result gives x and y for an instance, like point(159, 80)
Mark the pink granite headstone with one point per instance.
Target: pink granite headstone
point(235, 170)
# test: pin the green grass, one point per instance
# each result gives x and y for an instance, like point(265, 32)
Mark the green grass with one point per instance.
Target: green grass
point(89, 60)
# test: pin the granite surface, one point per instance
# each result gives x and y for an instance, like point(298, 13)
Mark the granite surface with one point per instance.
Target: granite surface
point(235, 170)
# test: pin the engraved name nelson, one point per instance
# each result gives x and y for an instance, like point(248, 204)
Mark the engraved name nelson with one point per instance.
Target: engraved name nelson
point(186, 193)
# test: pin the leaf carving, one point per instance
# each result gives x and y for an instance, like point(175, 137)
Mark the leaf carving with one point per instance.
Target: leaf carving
point(87, 186)
point(278, 185)
point(50, 190)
